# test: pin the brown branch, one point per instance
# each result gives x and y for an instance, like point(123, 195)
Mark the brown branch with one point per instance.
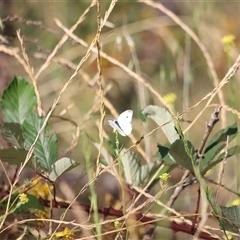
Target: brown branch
point(213, 120)
point(110, 211)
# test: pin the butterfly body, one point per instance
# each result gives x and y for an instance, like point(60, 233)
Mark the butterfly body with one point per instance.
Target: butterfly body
point(123, 123)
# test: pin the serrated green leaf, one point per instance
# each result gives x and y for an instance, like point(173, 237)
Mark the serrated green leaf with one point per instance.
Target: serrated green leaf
point(17, 101)
point(230, 152)
point(178, 152)
point(12, 133)
point(232, 214)
point(17, 156)
point(46, 147)
point(13, 155)
point(135, 173)
point(132, 168)
point(61, 166)
point(160, 116)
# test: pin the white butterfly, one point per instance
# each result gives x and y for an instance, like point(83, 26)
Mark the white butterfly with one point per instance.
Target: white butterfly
point(123, 123)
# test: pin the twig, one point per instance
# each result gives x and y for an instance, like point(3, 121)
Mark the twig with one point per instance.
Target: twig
point(174, 225)
point(196, 39)
point(223, 186)
point(194, 222)
point(213, 120)
point(31, 74)
point(224, 164)
point(178, 189)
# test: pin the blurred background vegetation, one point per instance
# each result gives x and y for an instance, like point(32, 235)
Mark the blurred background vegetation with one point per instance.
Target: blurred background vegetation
point(144, 39)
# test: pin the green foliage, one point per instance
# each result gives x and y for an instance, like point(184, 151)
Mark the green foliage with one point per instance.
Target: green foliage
point(18, 101)
point(46, 146)
point(32, 204)
point(230, 152)
point(22, 127)
point(180, 155)
point(161, 116)
point(179, 152)
point(13, 155)
point(215, 211)
point(17, 206)
point(135, 173)
point(231, 218)
point(215, 145)
point(12, 133)
point(60, 166)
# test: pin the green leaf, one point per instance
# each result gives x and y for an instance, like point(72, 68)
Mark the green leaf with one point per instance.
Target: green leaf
point(232, 214)
point(142, 116)
point(61, 166)
point(221, 138)
point(46, 146)
point(13, 155)
point(17, 101)
point(161, 116)
point(135, 173)
point(163, 154)
point(230, 152)
point(12, 133)
point(132, 166)
point(179, 154)
point(216, 144)
point(17, 156)
point(163, 150)
point(32, 204)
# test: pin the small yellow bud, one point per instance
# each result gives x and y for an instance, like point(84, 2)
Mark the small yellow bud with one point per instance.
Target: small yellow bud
point(165, 176)
point(23, 198)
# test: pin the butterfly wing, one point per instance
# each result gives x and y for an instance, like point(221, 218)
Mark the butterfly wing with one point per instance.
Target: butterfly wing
point(125, 116)
point(124, 121)
point(114, 124)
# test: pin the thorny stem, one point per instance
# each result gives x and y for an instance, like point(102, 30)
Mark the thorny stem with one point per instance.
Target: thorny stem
point(175, 226)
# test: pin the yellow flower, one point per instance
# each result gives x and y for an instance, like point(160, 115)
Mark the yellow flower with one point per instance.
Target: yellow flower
point(40, 189)
point(165, 176)
point(170, 98)
point(65, 234)
point(228, 42)
point(43, 214)
point(117, 224)
point(229, 237)
point(236, 201)
point(23, 198)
